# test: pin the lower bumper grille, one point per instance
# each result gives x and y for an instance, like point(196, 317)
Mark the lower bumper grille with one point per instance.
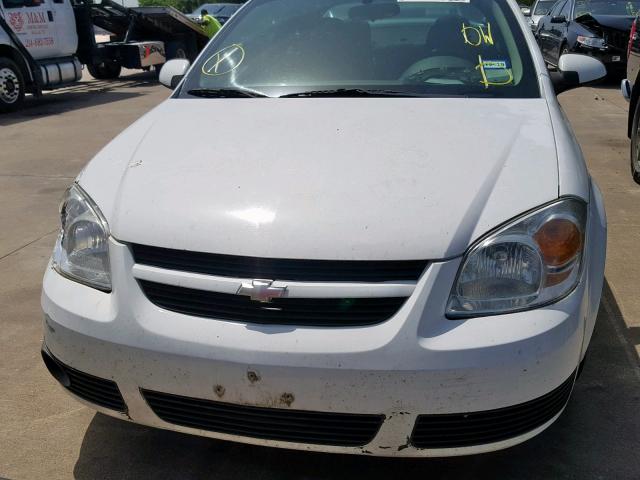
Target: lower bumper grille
point(478, 428)
point(301, 426)
point(98, 391)
point(321, 312)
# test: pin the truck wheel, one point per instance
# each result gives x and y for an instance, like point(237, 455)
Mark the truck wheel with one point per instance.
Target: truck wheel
point(12, 86)
point(105, 70)
point(174, 53)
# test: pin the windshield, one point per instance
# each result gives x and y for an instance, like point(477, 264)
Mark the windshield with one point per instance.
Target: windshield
point(371, 47)
point(543, 8)
point(627, 8)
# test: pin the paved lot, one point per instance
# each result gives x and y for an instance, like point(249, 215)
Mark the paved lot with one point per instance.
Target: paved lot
point(45, 434)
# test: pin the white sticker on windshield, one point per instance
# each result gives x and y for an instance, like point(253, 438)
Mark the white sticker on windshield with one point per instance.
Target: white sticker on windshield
point(495, 64)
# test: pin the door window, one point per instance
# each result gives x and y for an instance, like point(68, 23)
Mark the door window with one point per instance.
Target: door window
point(21, 3)
point(555, 11)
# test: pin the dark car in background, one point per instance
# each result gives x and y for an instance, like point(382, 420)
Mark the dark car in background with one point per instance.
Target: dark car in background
point(631, 91)
point(221, 11)
point(599, 28)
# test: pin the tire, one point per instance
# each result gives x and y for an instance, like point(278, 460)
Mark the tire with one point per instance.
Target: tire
point(105, 70)
point(12, 86)
point(635, 144)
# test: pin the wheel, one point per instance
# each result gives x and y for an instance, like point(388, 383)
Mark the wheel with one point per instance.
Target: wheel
point(635, 144)
point(105, 70)
point(12, 86)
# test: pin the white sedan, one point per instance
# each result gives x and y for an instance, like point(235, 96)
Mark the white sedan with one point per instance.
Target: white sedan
point(355, 226)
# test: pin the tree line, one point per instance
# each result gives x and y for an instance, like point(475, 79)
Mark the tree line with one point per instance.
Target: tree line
point(185, 6)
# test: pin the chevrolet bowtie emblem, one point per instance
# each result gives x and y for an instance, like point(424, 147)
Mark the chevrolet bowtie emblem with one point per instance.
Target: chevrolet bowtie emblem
point(261, 291)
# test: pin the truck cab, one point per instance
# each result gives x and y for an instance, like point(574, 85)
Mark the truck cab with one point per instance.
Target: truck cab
point(45, 43)
point(38, 44)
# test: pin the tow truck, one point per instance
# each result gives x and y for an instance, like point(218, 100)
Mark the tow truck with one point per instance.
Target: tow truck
point(45, 43)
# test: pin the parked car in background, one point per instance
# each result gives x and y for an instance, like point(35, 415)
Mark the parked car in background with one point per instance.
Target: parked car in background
point(631, 92)
point(221, 11)
point(538, 10)
point(391, 249)
point(599, 28)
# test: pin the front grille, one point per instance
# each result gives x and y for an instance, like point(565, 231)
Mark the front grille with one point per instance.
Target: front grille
point(321, 312)
point(617, 39)
point(279, 269)
point(478, 428)
point(301, 426)
point(96, 390)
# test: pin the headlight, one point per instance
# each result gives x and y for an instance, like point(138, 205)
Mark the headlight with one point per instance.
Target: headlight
point(594, 42)
point(82, 250)
point(531, 262)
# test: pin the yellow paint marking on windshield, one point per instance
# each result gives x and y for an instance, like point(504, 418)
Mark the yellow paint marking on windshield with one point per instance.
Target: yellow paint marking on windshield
point(493, 65)
point(224, 61)
point(478, 35)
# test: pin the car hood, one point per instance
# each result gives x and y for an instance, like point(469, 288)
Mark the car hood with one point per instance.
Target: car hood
point(325, 178)
point(598, 23)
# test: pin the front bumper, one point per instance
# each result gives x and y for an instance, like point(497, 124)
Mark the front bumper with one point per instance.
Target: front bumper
point(614, 59)
point(417, 363)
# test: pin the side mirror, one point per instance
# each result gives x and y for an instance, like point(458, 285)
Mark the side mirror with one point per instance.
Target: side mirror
point(173, 71)
point(559, 19)
point(526, 12)
point(576, 70)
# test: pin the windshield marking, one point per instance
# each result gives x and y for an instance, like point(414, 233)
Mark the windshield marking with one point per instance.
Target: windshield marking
point(482, 36)
point(226, 55)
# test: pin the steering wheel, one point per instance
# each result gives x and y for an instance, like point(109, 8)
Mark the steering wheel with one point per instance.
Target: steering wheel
point(451, 68)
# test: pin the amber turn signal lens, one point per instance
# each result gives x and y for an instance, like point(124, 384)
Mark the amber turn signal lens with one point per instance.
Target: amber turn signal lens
point(559, 240)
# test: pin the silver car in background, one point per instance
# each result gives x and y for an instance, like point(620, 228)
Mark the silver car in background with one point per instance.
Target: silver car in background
point(539, 9)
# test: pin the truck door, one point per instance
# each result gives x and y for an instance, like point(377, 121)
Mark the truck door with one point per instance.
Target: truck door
point(33, 23)
point(64, 24)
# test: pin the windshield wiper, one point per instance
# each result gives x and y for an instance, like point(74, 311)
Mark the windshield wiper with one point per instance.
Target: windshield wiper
point(350, 92)
point(224, 93)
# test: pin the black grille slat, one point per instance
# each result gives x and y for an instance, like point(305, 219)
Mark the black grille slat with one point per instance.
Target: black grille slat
point(98, 400)
point(249, 310)
point(267, 426)
point(307, 305)
point(86, 380)
point(484, 432)
point(477, 428)
point(290, 415)
point(279, 269)
point(619, 40)
point(491, 422)
point(301, 426)
point(99, 391)
point(95, 391)
point(225, 419)
point(281, 311)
